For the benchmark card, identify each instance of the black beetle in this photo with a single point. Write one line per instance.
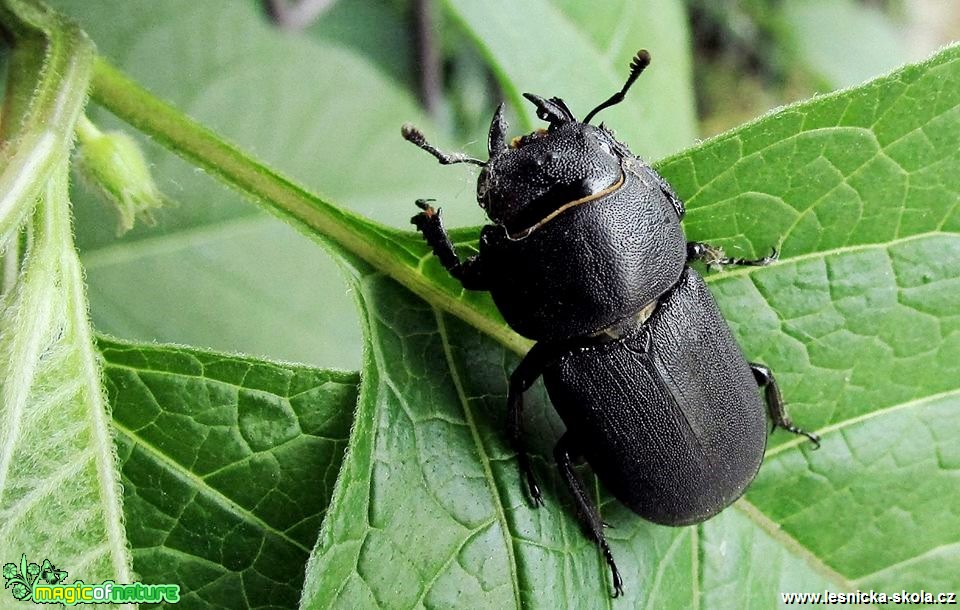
(586, 256)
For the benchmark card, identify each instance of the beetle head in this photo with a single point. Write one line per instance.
(537, 176)
(526, 182)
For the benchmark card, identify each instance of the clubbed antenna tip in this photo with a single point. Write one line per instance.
(638, 64)
(415, 136)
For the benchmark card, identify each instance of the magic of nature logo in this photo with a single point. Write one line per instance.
(44, 583)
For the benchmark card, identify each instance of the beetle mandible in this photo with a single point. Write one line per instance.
(586, 256)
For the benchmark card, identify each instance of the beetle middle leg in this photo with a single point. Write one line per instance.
(529, 369)
(778, 411)
(563, 453)
(714, 256)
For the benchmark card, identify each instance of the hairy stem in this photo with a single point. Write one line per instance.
(385, 249)
(49, 74)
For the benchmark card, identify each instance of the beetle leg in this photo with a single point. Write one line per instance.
(713, 256)
(529, 369)
(778, 412)
(429, 224)
(585, 509)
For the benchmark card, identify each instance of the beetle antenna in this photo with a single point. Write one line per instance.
(640, 61)
(416, 137)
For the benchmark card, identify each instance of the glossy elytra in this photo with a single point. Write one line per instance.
(586, 256)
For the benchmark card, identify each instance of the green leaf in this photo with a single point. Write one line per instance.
(57, 461)
(59, 485)
(228, 466)
(861, 191)
(429, 467)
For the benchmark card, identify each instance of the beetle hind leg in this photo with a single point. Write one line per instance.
(586, 510)
(778, 411)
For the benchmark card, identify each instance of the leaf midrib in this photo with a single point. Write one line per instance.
(937, 549)
(484, 458)
(98, 412)
(791, 544)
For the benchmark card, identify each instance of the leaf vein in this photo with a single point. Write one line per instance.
(482, 454)
(200, 485)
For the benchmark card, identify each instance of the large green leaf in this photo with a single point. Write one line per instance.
(445, 521)
(860, 190)
(228, 465)
(59, 489)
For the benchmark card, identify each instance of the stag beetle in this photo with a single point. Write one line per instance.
(586, 256)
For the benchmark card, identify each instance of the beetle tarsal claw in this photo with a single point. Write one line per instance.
(427, 217)
(789, 427)
(424, 204)
(617, 583)
(429, 211)
(814, 438)
(535, 494)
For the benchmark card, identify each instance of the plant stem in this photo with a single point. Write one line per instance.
(47, 89)
(387, 250)
(86, 131)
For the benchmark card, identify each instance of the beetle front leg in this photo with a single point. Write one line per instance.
(468, 271)
(713, 256)
(778, 411)
(563, 454)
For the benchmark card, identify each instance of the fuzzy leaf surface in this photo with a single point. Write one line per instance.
(60, 496)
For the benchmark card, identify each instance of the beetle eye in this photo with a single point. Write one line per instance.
(605, 147)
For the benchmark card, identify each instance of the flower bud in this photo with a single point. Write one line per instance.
(114, 166)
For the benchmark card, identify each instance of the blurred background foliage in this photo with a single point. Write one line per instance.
(322, 98)
(749, 55)
(753, 55)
